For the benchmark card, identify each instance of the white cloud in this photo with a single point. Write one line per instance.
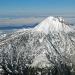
(29, 20)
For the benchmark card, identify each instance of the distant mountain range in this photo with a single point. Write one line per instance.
(9, 27)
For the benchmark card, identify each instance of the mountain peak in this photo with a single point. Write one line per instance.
(51, 24)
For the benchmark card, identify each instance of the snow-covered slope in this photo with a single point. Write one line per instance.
(46, 45)
(51, 24)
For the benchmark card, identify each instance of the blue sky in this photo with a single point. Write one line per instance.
(36, 7)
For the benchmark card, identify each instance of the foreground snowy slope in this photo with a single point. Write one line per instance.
(49, 44)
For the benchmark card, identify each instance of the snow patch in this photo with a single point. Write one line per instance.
(40, 61)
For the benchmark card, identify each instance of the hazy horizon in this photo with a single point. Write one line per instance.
(22, 12)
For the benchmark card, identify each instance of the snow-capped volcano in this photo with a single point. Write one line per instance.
(51, 24)
(49, 44)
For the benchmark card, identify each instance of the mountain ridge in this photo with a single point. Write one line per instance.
(34, 48)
